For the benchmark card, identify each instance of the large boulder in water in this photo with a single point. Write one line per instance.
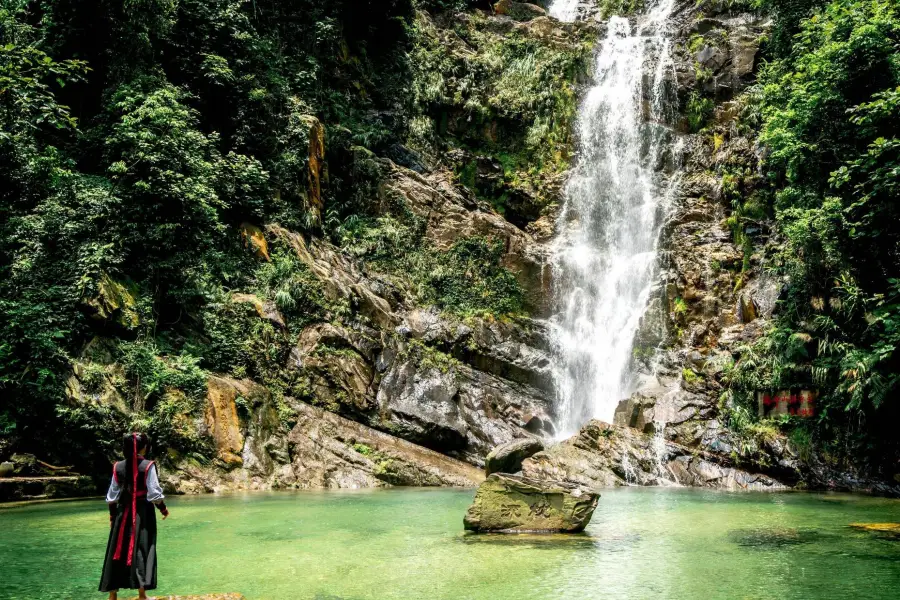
(515, 504)
(507, 458)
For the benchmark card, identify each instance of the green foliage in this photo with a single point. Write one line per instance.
(362, 449)
(174, 185)
(444, 5)
(509, 95)
(689, 375)
(296, 292)
(466, 279)
(751, 436)
(788, 16)
(621, 8)
(154, 375)
(429, 357)
(831, 115)
(27, 75)
(172, 424)
(193, 118)
(699, 109)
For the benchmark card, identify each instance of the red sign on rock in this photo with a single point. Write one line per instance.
(787, 402)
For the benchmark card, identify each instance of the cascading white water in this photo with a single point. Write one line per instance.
(604, 258)
(564, 10)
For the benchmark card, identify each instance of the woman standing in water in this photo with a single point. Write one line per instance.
(131, 551)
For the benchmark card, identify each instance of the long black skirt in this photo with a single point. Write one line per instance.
(141, 573)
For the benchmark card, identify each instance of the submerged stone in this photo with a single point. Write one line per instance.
(889, 529)
(513, 503)
(776, 537)
(508, 457)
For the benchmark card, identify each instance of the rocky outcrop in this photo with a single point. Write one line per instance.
(516, 504)
(315, 161)
(508, 458)
(266, 309)
(95, 376)
(221, 417)
(114, 303)
(16, 489)
(457, 409)
(522, 11)
(718, 48)
(451, 215)
(456, 386)
(408, 383)
(255, 240)
(320, 450)
(604, 455)
(461, 387)
(332, 452)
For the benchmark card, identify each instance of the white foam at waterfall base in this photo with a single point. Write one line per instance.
(604, 258)
(628, 469)
(661, 455)
(565, 10)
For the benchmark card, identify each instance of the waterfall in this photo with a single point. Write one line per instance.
(565, 10)
(660, 452)
(605, 254)
(628, 469)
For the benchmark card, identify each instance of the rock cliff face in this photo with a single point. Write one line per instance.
(402, 390)
(604, 455)
(321, 450)
(396, 373)
(398, 392)
(458, 386)
(713, 297)
(381, 388)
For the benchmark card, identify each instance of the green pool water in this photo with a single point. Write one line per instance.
(409, 543)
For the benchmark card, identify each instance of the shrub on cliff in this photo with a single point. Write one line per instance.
(139, 160)
(831, 124)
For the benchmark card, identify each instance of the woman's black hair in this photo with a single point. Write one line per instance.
(131, 443)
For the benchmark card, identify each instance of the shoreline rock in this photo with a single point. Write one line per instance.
(19, 489)
(604, 455)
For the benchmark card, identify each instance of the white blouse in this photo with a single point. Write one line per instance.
(154, 491)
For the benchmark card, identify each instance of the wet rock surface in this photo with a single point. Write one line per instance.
(459, 387)
(331, 452)
(508, 458)
(513, 503)
(321, 450)
(604, 455)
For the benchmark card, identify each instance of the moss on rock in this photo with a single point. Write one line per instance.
(512, 503)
